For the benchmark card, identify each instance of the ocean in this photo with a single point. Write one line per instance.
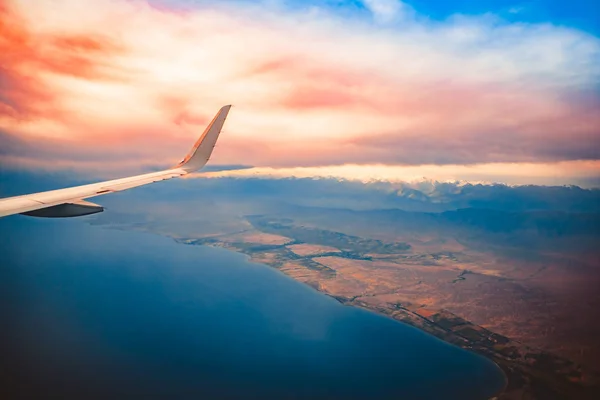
(94, 312)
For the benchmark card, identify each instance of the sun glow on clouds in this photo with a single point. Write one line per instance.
(563, 173)
(84, 82)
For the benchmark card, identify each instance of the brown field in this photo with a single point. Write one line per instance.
(252, 236)
(306, 249)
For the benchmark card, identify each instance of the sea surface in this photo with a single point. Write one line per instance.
(92, 312)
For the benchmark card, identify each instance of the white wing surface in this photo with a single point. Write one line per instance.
(70, 202)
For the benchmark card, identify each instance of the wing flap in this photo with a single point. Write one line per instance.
(65, 210)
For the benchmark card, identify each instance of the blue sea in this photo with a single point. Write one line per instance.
(93, 312)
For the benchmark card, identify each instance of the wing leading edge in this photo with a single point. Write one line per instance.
(69, 202)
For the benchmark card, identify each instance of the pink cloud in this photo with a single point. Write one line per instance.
(307, 90)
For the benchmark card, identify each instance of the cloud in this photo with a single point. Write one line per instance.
(384, 10)
(25, 54)
(516, 9)
(308, 88)
(583, 173)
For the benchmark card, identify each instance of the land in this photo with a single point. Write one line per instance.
(439, 285)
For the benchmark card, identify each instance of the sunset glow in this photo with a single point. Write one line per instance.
(125, 85)
(580, 173)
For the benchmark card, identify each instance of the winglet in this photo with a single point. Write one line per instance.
(200, 153)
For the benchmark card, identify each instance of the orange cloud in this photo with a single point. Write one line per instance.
(25, 56)
(122, 78)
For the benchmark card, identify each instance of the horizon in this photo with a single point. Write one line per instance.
(494, 92)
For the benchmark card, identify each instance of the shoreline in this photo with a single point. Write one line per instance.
(522, 371)
(349, 303)
(527, 372)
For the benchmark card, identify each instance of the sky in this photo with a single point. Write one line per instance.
(452, 90)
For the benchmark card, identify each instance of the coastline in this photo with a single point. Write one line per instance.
(355, 271)
(351, 303)
(526, 371)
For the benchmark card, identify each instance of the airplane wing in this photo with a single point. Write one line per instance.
(70, 202)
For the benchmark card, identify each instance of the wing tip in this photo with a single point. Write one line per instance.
(202, 149)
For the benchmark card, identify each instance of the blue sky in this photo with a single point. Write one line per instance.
(580, 14)
(583, 15)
